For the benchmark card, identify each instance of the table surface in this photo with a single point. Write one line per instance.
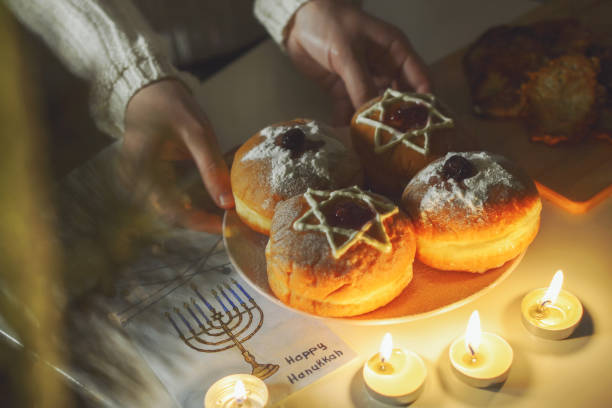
(571, 372)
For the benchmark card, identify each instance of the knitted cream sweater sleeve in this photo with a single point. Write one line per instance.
(275, 15)
(107, 42)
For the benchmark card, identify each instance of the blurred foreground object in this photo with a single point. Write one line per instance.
(28, 255)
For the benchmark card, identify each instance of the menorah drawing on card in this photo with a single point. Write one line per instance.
(218, 331)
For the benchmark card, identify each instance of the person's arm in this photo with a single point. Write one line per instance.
(107, 42)
(135, 95)
(349, 53)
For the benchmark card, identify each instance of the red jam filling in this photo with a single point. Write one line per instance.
(458, 168)
(406, 116)
(346, 213)
(296, 142)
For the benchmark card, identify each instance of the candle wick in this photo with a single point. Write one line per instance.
(542, 305)
(382, 364)
(240, 401)
(472, 352)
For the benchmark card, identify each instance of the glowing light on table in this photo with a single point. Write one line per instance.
(237, 391)
(551, 313)
(480, 359)
(240, 394)
(394, 375)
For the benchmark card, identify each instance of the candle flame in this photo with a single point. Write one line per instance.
(554, 288)
(386, 346)
(473, 333)
(240, 393)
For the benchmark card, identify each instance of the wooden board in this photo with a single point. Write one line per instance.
(575, 177)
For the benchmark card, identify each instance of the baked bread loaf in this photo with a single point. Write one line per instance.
(555, 75)
(563, 99)
(283, 160)
(498, 64)
(339, 253)
(397, 134)
(472, 211)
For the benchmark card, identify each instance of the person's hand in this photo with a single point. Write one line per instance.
(352, 55)
(164, 125)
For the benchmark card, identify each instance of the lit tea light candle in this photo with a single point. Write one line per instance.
(240, 394)
(480, 359)
(551, 313)
(394, 375)
(237, 391)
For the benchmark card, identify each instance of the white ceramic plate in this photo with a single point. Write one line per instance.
(431, 291)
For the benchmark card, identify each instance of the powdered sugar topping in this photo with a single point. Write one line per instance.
(290, 176)
(470, 193)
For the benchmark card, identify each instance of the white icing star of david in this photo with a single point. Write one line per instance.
(435, 120)
(381, 208)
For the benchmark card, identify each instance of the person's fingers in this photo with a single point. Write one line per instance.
(351, 67)
(173, 149)
(136, 165)
(137, 148)
(200, 221)
(412, 69)
(201, 142)
(176, 209)
(342, 112)
(342, 107)
(165, 129)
